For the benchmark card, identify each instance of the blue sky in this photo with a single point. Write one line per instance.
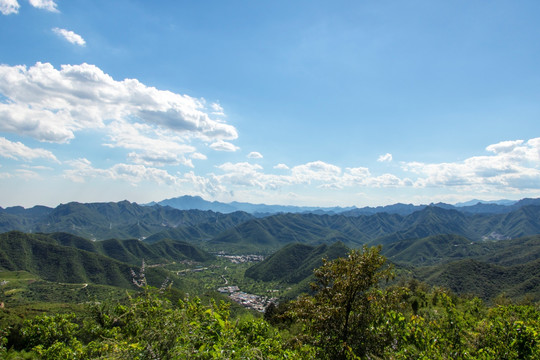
(278, 102)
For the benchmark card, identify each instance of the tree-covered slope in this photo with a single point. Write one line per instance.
(439, 249)
(133, 251)
(62, 257)
(19, 251)
(485, 280)
(122, 220)
(273, 232)
(294, 262)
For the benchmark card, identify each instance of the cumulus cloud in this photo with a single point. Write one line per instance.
(512, 168)
(281, 166)
(221, 145)
(252, 175)
(9, 7)
(504, 146)
(209, 185)
(48, 5)
(315, 171)
(19, 151)
(198, 156)
(70, 36)
(52, 105)
(255, 155)
(385, 158)
(82, 169)
(159, 159)
(514, 165)
(245, 174)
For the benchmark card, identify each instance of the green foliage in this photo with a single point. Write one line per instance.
(47, 330)
(341, 317)
(151, 327)
(466, 330)
(485, 280)
(349, 317)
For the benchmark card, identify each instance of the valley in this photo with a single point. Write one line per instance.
(256, 266)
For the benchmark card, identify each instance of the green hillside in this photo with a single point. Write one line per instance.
(485, 280)
(439, 249)
(132, 251)
(273, 232)
(58, 263)
(120, 220)
(295, 262)
(65, 258)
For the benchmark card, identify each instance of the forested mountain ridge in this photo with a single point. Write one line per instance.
(242, 232)
(122, 220)
(187, 202)
(62, 257)
(485, 269)
(276, 231)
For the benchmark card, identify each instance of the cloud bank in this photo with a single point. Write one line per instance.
(52, 105)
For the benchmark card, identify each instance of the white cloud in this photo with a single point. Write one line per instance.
(504, 146)
(198, 156)
(385, 158)
(514, 166)
(217, 109)
(205, 185)
(281, 167)
(53, 105)
(48, 5)
(82, 169)
(70, 36)
(221, 145)
(316, 171)
(155, 147)
(159, 159)
(242, 174)
(19, 151)
(255, 155)
(243, 167)
(9, 7)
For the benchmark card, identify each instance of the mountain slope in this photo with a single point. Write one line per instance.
(133, 251)
(83, 261)
(122, 220)
(485, 280)
(58, 263)
(440, 249)
(295, 262)
(275, 231)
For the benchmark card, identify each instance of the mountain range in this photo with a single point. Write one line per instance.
(188, 202)
(443, 244)
(484, 269)
(242, 232)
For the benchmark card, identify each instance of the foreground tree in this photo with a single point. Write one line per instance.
(343, 318)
